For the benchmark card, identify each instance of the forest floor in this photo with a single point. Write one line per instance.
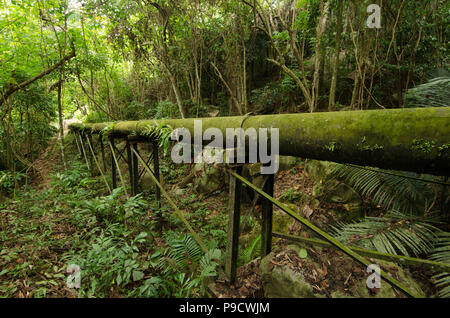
(127, 248)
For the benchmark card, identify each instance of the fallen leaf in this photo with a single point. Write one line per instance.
(307, 211)
(303, 253)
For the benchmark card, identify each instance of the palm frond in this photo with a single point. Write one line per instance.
(395, 233)
(442, 254)
(186, 248)
(180, 251)
(392, 192)
(435, 93)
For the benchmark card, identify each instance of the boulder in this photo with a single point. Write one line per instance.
(386, 290)
(287, 162)
(360, 290)
(283, 282)
(210, 178)
(281, 221)
(319, 171)
(334, 191)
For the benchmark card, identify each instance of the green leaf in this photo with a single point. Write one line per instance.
(303, 253)
(137, 275)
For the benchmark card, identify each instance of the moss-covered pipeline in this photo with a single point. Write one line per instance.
(413, 139)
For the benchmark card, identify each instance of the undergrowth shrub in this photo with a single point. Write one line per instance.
(108, 260)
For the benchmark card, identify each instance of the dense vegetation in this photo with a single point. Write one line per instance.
(98, 61)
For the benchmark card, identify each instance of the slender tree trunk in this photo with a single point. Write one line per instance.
(177, 93)
(355, 91)
(335, 66)
(319, 31)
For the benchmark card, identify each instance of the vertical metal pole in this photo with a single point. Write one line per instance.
(102, 150)
(113, 164)
(234, 217)
(156, 170)
(135, 168)
(267, 216)
(130, 165)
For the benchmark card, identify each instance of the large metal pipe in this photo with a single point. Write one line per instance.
(409, 139)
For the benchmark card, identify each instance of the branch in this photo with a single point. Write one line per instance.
(90, 97)
(24, 84)
(227, 87)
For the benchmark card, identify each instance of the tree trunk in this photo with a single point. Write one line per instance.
(319, 31)
(337, 49)
(176, 91)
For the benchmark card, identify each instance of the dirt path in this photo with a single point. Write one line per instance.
(49, 158)
(44, 165)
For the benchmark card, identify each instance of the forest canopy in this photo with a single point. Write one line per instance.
(112, 60)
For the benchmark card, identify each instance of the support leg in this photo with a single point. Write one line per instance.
(234, 217)
(135, 169)
(156, 169)
(130, 164)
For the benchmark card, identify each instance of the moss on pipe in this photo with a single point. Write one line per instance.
(413, 139)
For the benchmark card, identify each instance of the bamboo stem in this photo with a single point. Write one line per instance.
(368, 253)
(98, 166)
(118, 168)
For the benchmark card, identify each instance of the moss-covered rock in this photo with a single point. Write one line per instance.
(286, 162)
(319, 171)
(281, 221)
(283, 282)
(210, 178)
(254, 169)
(360, 290)
(386, 290)
(334, 191)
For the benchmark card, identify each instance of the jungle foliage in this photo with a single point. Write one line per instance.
(105, 61)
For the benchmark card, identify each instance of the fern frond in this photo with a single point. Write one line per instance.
(245, 255)
(392, 192)
(442, 254)
(180, 251)
(395, 233)
(435, 93)
(186, 248)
